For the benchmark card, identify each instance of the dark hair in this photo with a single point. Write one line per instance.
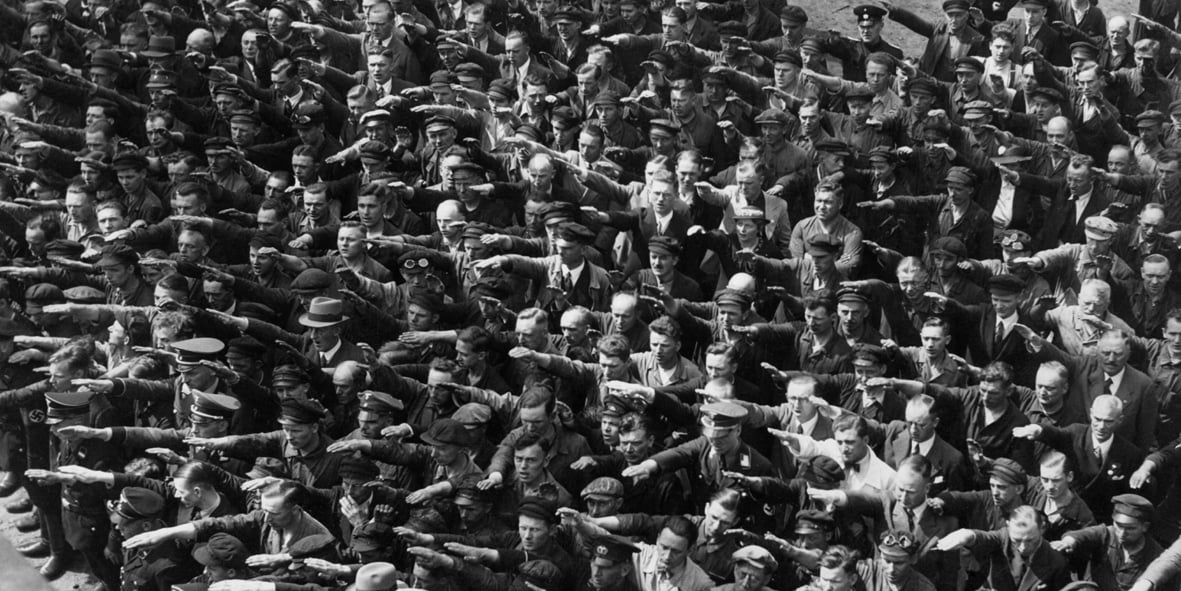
(666, 326)
(478, 337)
(681, 527)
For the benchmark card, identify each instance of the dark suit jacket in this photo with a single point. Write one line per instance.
(938, 60)
(1062, 225)
(1046, 569)
(888, 514)
(1095, 483)
(681, 287)
(948, 469)
(1138, 392)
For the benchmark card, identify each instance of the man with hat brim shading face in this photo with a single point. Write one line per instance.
(1017, 552)
(1132, 518)
(200, 370)
(139, 510)
(664, 253)
(958, 214)
(564, 279)
(719, 449)
(299, 442)
(323, 344)
(224, 558)
(131, 171)
(940, 53)
(83, 515)
(273, 529)
(444, 456)
(804, 276)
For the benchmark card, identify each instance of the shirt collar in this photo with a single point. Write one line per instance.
(331, 352)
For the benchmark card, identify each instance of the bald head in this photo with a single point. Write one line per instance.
(1058, 125)
(744, 282)
(200, 40)
(449, 210)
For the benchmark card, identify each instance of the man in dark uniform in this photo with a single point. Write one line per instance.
(718, 449)
(610, 565)
(1116, 554)
(148, 569)
(83, 510)
(852, 52)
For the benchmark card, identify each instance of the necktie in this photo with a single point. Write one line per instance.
(1098, 452)
(1109, 386)
(998, 337)
(1017, 567)
(909, 519)
(914, 450)
(567, 282)
(323, 359)
(195, 514)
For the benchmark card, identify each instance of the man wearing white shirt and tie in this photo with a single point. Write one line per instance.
(864, 471)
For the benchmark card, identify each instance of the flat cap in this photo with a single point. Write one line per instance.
(722, 415)
(538, 508)
(568, 14)
(301, 412)
(977, 110)
(372, 536)
(118, 254)
(310, 546)
(139, 503)
(813, 521)
(84, 294)
(664, 245)
(441, 80)
(852, 295)
(264, 466)
(245, 346)
(66, 249)
(473, 414)
(1017, 240)
(922, 86)
(949, 245)
(359, 469)
(969, 64)
(374, 150)
(757, 556)
(613, 548)
(603, 486)
(308, 115)
(542, 573)
(956, 5)
(1099, 227)
(789, 57)
(311, 281)
(822, 470)
(733, 297)
(859, 93)
(961, 175)
(834, 147)
(773, 116)
(823, 244)
(867, 354)
(1151, 117)
(129, 160)
(1007, 470)
(1084, 49)
(1005, 284)
(897, 545)
(222, 550)
(606, 98)
(289, 373)
(469, 71)
(558, 210)
(447, 432)
(1045, 92)
(468, 491)
(575, 233)
(664, 126)
(245, 116)
(1134, 506)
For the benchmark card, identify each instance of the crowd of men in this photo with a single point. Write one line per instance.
(598, 296)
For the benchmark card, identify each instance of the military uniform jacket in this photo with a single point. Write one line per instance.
(705, 467)
(1105, 557)
(157, 568)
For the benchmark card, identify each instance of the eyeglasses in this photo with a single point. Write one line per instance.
(411, 264)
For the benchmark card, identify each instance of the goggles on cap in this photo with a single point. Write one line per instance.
(301, 120)
(412, 264)
(1013, 242)
(903, 541)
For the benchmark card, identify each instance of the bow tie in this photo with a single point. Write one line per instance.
(852, 468)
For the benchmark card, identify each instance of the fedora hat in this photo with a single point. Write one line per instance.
(323, 312)
(160, 46)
